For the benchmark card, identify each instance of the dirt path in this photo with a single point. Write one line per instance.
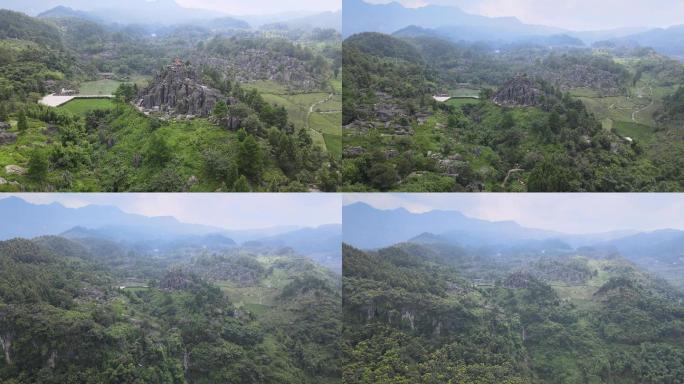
(635, 113)
(509, 174)
(311, 108)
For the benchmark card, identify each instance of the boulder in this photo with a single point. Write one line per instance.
(14, 170)
(4, 126)
(3, 181)
(390, 153)
(192, 180)
(353, 152)
(7, 137)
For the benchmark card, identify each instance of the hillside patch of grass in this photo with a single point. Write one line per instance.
(639, 132)
(98, 87)
(82, 106)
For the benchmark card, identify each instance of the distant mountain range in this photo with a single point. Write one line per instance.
(366, 227)
(452, 23)
(61, 11)
(298, 20)
(165, 12)
(121, 12)
(669, 41)
(359, 16)
(30, 220)
(110, 223)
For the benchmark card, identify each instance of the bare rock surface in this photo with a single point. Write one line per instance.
(177, 90)
(7, 137)
(14, 170)
(520, 91)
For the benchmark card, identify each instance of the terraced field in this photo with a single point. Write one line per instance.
(318, 112)
(630, 115)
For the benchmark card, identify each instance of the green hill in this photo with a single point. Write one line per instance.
(91, 312)
(412, 317)
(547, 120)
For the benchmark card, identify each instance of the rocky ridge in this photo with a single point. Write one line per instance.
(177, 90)
(258, 64)
(583, 76)
(520, 91)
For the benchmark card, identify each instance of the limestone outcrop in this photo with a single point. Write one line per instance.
(520, 91)
(177, 90)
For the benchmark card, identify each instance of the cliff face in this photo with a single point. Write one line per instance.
(520, 91)
(177, 91)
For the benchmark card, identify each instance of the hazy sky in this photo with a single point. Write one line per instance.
(261, 7)
(229, 211)
(569, 213)
(231, 7)
(573, 14)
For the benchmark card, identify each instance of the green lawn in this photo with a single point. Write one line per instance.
(464, 92)
(337, 85)
(99, 87)
(639, 132)
(584, 92)
(264, 86)
(136, 289)
(461, 101)
(82, 106)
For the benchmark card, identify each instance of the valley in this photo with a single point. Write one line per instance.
(497, 302)
(155, 300)
(281, 85)
(434, 109)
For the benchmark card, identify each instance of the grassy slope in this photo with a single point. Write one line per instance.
(98, 87)
(82, 106)
(325, 128)
(187, 140)
(617, 112)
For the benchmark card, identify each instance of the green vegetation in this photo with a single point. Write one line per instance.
(98, 87)
(423, 314)
(64, 317)
(317, 112)
(565, 126)
(81, 107)
(107, 145)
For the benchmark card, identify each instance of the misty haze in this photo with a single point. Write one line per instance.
(98, 295)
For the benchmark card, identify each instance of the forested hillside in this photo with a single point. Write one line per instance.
(435, 314)
(276, 129)
(93, 311)
(426, 114)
